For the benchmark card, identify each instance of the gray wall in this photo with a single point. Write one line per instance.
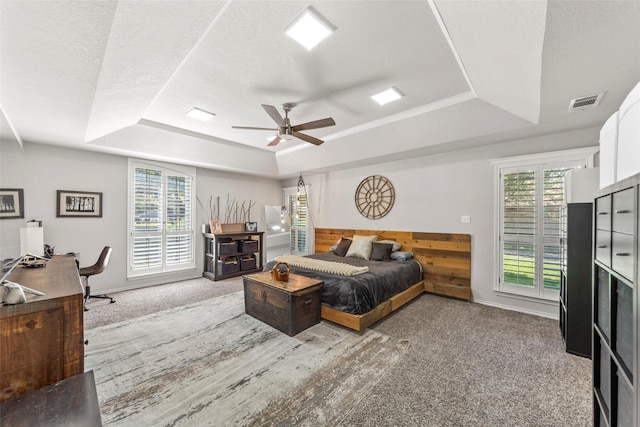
(432, 193)
(42, 169)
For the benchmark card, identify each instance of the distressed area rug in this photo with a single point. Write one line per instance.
(211, 364)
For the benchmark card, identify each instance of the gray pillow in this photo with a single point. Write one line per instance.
(401, 256)
(381, 251)
(343, 247)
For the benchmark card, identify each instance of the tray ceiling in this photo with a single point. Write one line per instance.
(119, 76)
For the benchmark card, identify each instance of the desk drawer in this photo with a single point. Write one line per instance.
(623, 211)
(622, 254)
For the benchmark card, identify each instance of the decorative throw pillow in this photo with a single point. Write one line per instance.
(396, 245)
(401, 256)
(343, 247)
(381, 251)
(361, 246)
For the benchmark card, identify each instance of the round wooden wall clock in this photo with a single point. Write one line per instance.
(375, 196)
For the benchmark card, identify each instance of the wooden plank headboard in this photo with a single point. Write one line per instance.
(445, 257)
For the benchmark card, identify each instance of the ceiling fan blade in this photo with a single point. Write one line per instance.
(252, 128)
(308, 138)
(322, 123)
(275, 115)
(274, 141)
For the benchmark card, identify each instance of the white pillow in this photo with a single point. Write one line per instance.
(361, 246)
(396, 245)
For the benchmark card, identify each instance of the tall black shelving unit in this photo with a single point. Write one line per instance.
(615, 305)
(575, 277)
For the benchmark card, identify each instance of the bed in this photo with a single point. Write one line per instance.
(441, 265)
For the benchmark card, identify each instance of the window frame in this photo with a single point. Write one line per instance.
(289, 193)
(579, 158)
(166, 169)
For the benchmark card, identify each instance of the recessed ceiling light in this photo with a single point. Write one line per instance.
(309, 29)
(196, 113)
(387, 96)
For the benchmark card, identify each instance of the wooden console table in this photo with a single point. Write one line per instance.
(42, 340)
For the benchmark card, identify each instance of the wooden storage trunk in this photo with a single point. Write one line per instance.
(247, 246)
(290, 307)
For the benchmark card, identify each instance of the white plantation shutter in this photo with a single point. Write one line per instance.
(519, 227)
(161, 208)
(530, 200)
(179, 223)
(147, 241)
(147, 252)
(553, 199)
(299, 223)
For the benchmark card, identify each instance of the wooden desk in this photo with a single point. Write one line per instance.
(70, 402)
(42, 340)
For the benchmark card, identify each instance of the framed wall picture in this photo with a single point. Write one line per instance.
(11, 203)
(250, 226)
(79, 204)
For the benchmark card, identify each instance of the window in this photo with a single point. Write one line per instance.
(161, 237)
(301, 239)
(529, 201)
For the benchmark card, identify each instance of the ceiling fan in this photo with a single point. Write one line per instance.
(285, 130)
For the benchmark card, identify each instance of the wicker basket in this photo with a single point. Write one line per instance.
(228, 247)
(228, 266)
(247, 263)
(247, 246)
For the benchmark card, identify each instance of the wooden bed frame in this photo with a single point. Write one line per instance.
(445, 260)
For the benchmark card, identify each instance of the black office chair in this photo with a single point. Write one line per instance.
(96, 268)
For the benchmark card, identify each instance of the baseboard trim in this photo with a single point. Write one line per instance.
(518, 309)
(147, 284)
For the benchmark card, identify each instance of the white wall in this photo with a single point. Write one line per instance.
(432, 193)
(42, 169)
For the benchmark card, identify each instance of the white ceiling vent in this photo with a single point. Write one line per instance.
(585, 102)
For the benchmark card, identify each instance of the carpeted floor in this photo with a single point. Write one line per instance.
(466, 364)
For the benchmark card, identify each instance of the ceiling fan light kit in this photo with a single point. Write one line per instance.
(285, 130)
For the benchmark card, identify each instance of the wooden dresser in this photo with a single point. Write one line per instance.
(42, 340)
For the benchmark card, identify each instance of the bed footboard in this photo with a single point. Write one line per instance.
(358, 322)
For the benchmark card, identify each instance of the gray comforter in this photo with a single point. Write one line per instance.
(360, 294)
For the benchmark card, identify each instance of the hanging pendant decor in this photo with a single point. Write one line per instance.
(375, 196)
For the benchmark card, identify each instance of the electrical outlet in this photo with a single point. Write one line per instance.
(465, 219)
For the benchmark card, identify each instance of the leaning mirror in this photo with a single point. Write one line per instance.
(277, 236)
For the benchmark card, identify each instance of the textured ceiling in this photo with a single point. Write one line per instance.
(119, 76)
